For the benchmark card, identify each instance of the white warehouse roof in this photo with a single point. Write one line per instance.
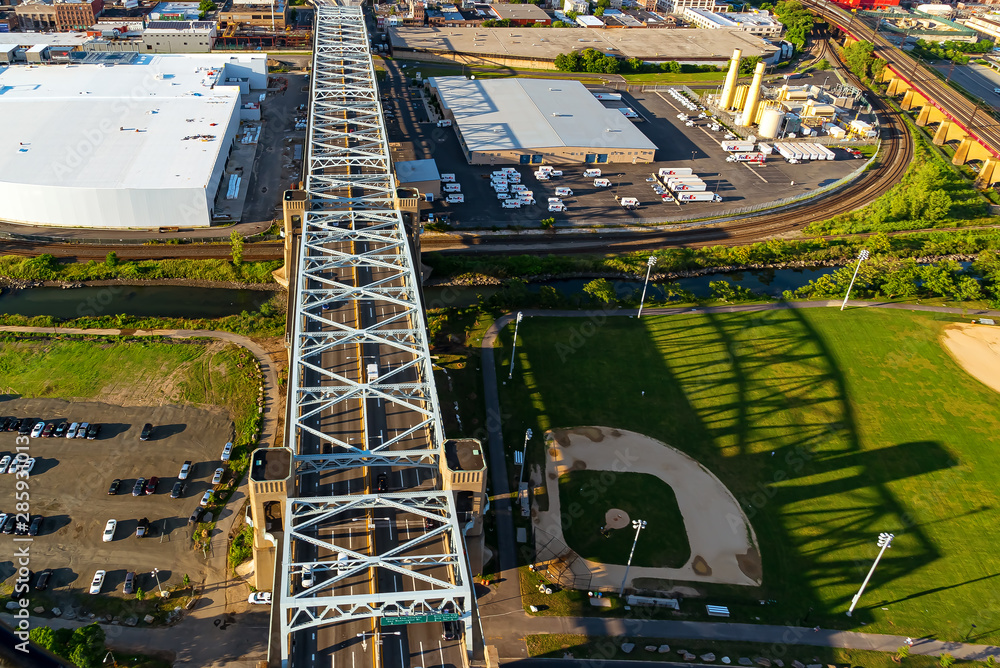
(505, 114)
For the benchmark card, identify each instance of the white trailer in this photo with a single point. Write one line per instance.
(766, 149)
(830, 155)
(674, 171)
(784, 151)
(698, 197)
(688, 187)
(734, 146)
(683, 179)
(591, 173)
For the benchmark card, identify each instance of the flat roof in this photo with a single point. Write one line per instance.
(118, 138)
(525, 12)
(505, 114)
(52, 39)
(270, 464)
(683, 44)
(465, 454)
(414, 171)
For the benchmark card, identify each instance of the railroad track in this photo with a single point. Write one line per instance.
(84, 252)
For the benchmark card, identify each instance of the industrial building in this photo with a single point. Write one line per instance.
(179, 37)
(537, 121)
(421, 175)
(147, 143)
(755, 23)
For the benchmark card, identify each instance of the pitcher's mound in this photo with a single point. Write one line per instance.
(976, 348)
(616, 519)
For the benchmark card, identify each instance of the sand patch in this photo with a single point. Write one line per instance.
(616, 519)
(976, 348)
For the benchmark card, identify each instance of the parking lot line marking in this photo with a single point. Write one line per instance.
(753, 172)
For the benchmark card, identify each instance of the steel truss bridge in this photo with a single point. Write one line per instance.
(369, 535)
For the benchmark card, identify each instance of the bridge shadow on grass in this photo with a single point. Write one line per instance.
(761, 401)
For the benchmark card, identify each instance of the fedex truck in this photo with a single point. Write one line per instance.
(698, 197)
(737, 146)
(674, 171)
(688, 187)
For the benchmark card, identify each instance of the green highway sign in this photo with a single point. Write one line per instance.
(420, 619)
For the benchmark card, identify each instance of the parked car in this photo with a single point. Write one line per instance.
(23, 466)
(36, 431)
(217, 478)
(36, 525)
(71, 432)
(142, 529)
(5, 425)
(60, 430)
(9, 524)
(185, 470)
(48, 429)
(115, 485)
(109, 531)
(42, 583)
(382, 482)
(129, 587)
(205, 499)
(227, 451)
(195, 516)
(15, 425)
(147, 431)
(151, 485)
(97, 582)
(178, 490)
(260, 598)
(26, 426)
(81, 431)
(93, 431)
(139, 488)
(5, 463)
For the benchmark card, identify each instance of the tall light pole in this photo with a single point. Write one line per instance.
(517, 322)
(155, 574)
(650, 263)
(884, 542)
(638, 525)
(524, 454)
(862, 256)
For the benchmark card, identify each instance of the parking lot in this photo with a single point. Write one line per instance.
(69, 487)
(678, 146)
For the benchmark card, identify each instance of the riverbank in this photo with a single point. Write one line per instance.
(16, 284)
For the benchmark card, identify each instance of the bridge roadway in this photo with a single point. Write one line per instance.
(367, 522)
(977, 120)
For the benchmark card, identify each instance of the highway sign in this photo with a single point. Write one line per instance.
(420, 619)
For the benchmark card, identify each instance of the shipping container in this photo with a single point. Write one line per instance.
(737, 146)
(602, 183)
(675, 171)
(688, 187)
(698, 197)
(590, 173)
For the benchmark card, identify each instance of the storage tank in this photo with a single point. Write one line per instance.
(770, 123)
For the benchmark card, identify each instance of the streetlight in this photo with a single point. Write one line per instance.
(650, 263)
(638, 525)
(524, 454)
(155, 575)
(520, 316)
(884, 542)
(114, 662)
(862, 256)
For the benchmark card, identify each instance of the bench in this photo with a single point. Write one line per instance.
(717, 610)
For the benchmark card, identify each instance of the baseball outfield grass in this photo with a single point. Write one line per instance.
(829, 427)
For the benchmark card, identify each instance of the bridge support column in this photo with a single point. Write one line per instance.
(989, 174)
(930, 114)
(948, 131)
(293, 206)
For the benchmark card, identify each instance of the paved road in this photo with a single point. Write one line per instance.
(503, 618)
(977, 79)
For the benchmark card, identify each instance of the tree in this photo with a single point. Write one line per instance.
(111, 259)
(901, 653)
(748, 64)
(44, 637)
(968, 289)
(946, 660)
(236, 242)
(878, 243)
(599, 11)
(602, 290)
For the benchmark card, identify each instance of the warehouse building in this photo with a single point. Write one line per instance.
(146, 148)
(537, 121)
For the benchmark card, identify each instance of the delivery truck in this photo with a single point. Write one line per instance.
(591, 173)
(452, 188)
(747, 157)
(737, 146)
(602, 183)
(698, 197)
(688, 187)
(455, 199)
(629, 202)
(674, 171)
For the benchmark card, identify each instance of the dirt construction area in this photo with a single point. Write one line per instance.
(69, 488)
(976, 348)
(723, 544)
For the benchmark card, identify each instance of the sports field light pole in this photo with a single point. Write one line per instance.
(524, 454)
(884, 542)
(155, 573)
(639, 525)
(862, 256)
(650, 263)
(520, 316)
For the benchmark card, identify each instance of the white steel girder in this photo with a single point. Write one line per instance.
(351, 229)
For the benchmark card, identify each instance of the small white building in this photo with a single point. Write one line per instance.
(755, 23)
(578, 6)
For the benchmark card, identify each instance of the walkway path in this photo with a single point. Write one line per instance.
(503, 618)
(209, 635)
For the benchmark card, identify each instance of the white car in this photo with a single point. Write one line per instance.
(227, 451)
(4, 463)
(71, 432)
(36, 431)
(342, 559)
(81, 431)
(185, 470)
(22, 466)
(205, 499)
(307, 577)
(109, 532)
(217, 478)
(260, 598)
(98, 582)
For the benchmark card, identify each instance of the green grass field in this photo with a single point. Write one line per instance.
(632, 493)
(828, 426)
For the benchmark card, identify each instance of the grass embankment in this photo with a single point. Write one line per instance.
(829, 427)
(47, 268)
(630, 492)
(555, 646)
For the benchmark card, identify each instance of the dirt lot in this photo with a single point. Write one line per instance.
(69, 488)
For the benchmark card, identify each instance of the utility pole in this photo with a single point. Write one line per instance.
(862, 256)
(513, 349)
(884, 542)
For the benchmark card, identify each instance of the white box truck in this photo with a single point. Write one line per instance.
(511, 204)
(443, 123)
(698, 197)
(452, 188)
(447, 178)
(564, 192)
(674, 171)
(602, 183)
(733, 146)
(747, 157)
(591, 173)
(455, 199)
(556, 208)
(629, 202)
